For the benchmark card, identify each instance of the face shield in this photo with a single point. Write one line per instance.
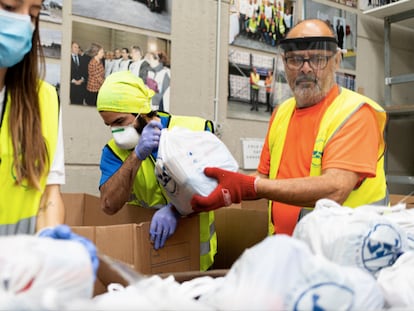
(320, 49)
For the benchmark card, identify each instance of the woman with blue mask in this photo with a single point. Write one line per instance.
(31, 141)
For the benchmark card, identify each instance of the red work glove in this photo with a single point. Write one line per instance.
(232, 188)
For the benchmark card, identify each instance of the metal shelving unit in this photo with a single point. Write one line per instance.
(396, 12)
(401, 12)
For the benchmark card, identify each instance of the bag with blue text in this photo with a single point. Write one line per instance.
(182, 156)
(358, 237)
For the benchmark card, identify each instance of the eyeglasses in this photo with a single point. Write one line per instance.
(315, 61)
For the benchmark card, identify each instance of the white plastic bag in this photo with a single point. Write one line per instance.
(398, 214)
(397, 282)
(182, 156)
(152, 293)
(43, 273)
(281, 273)
(357, 237)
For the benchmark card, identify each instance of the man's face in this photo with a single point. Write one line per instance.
(75, 48)
(124, 54)
(111, 118)
(117, 53)
(109, 55)
(311, 58)
(310, 74)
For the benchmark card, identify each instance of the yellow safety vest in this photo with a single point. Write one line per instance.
(281, 26)
(252, 24)
(19, 204)
(372, 190)
(148, 193)
(255, 79)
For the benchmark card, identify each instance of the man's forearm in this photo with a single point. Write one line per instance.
(335, 184)
(116, 191)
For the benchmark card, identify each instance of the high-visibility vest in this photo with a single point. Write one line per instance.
(254, 79)
(372, 190)
(149, 194)
(19, 204)
(252, 24)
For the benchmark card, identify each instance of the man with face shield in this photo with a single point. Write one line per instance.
(324, 142)
(128, 160)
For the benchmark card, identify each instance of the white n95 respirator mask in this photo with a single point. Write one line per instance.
(126, 137)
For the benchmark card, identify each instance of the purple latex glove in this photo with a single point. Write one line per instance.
(63, 232)
(163, 225)
(149, 139)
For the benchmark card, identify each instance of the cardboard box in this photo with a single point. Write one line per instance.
(115, 271)
(261, 204)
(407, 199)
(125, 236)
(83, 209)
(238, 229)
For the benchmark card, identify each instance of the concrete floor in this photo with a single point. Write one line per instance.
(241, 110)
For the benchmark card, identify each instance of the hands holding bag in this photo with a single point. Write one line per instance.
(232, 188)
(149, 139)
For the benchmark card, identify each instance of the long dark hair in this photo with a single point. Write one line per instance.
(29, 146)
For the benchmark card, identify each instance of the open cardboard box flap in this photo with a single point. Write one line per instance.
(115, 271)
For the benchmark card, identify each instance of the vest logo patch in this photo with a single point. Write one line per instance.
(316, 158)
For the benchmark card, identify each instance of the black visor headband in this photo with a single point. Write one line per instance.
(309, 43)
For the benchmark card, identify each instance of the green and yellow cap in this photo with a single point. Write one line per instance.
(124, 92)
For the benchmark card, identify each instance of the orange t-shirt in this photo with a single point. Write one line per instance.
(354, 147)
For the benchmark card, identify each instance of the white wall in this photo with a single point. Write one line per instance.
(193, 85)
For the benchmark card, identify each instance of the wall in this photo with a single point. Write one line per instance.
(194, 34)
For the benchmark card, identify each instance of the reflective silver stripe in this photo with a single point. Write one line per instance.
(205, 246)
(24, 226)
(383, 202)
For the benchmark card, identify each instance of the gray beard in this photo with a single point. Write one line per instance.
(308, 95)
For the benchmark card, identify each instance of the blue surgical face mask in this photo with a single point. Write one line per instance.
(16, 32)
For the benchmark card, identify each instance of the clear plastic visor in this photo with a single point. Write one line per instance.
(308, 43)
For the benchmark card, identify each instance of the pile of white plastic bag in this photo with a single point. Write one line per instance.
(338, 259)
(377, 239)
(280, 273)
(358, 237)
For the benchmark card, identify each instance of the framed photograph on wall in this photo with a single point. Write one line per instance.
(344, 26)
(97, 52)
(255, 100)
(51, 11)
(350, 3)
(256, 25)
(51, 41)
(153, 15)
